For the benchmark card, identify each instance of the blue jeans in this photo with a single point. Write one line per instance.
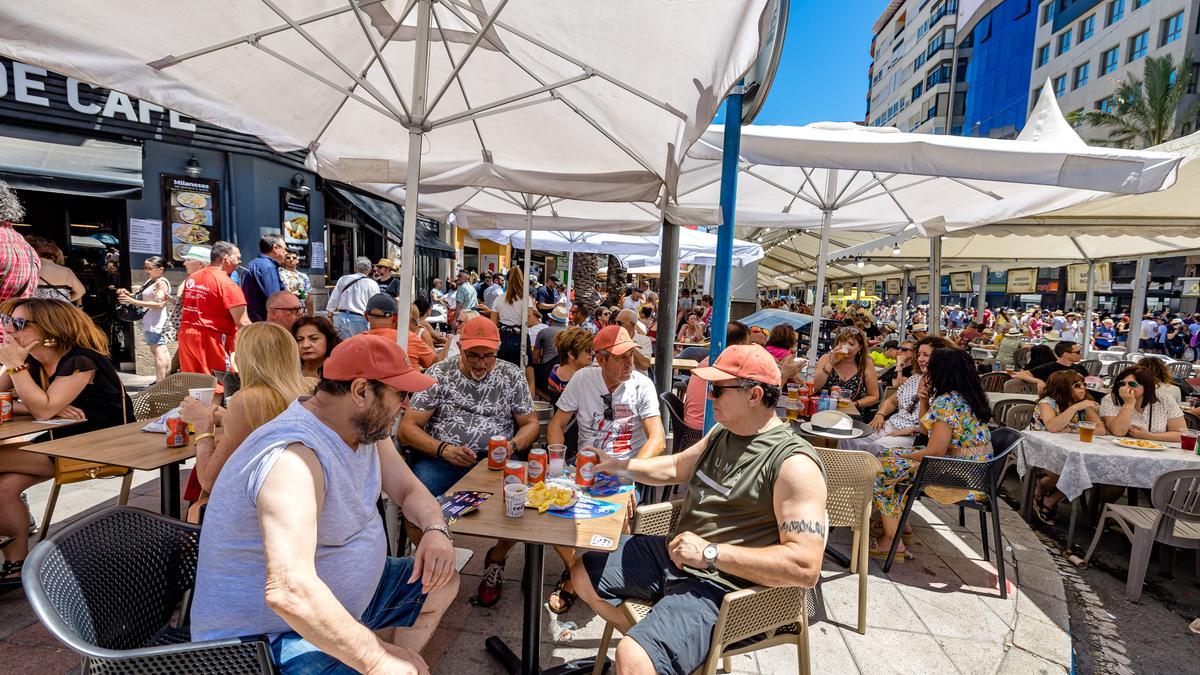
(348, 325)
(396, 604)
(437, 475)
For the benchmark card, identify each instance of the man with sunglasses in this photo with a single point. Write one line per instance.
(1069, 355)
(262, 276)
(388, 283)
(283, 308)
(754, 514)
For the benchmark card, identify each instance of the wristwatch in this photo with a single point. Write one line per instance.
(440, 527)
(710, 557)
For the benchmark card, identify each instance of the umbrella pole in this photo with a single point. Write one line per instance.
(822, 261)
(570, 282)
(1087, 309)
(721, 271)
(525, 291)
(1137, 308)
(413, 186)
(901, 318)
(664, 349)
(935, 286)
(981, 301)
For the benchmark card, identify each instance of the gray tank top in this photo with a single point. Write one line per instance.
(351, 543)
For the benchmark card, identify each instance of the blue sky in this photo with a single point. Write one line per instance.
(823, 73)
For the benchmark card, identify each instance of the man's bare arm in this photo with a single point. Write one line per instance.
(661, 470)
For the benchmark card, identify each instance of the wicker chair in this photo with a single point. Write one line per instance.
(779, 613)
(1015, 386)
(994, 382)
(115, 608)
(162, 397)
(850, 481)
(683, 436)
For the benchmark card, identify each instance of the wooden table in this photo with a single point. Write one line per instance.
(126, 445)
(679, 364)
(535, 530)
(23, 425)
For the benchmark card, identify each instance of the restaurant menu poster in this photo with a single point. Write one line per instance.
(960, 282)
(145, 236)
(294, 205)
(1022, 281)
(191, 212)
(893, 287)
(922, 284)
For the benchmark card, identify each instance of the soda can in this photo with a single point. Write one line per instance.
(835, 392)
(6, 406)
(514, 473)
(497, 452)
(539, 463)
(176, 432)
(585, 475)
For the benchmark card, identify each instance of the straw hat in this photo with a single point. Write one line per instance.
(919, 328)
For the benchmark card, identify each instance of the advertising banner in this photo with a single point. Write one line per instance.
(294, 205)
(922, 284)
(190, 212)
(960, 282)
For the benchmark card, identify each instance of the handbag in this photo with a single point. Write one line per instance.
(133, 313)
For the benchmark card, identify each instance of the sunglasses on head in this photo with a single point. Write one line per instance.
(757, 329)
(15, 322)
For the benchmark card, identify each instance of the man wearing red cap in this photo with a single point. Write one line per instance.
(754, 515)
(475, 396)
(293, 546)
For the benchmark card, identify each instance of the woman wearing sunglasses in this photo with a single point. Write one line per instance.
(295, 281)
(1066, 402)
(1135, 410)
(848, 367)
(693, 330)
(898, 420)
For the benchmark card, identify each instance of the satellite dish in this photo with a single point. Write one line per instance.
(762, 73)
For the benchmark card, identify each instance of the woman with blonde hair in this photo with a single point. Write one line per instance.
(849, 367)
(268, 365)
(508, 311)
(55, 360)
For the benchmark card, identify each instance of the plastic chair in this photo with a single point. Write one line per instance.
(108, 585)
(781, 614)
(1016, 414)
(683, 435)
(1021, 358)
(1015, 386)
(1174, 520)
(1192, 421)
(1180, 370)
(850, 482)
(994, 382)
(1117, 366)
(1092, 366)
(163, 396)
(966, 474)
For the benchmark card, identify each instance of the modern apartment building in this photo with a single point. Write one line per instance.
(1085, 48)
(999, 35)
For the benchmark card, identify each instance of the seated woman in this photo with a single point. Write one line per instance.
(1134, 409)
(693, 329)
(848, 367)
(782, 341)
(315, 337)
(575, 352)
(955, 413)
(898, 422)
(268, 365)
(56, 363)
(1164, 383)
(896, 374)
(1066, 403)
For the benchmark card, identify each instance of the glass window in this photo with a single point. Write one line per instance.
(1064, 43)
(1060, 86)
(1105, 105)
(1138, 4)
(1043, 55)
(918, 90)
(1109, 60)
(1047, 12)
(1081, 75)
(1087, 27)
(1172, 29)
(1138, 45)
(1114, 12)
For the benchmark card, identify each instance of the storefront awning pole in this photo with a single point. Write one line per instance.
(1087, 309)
(1141, 281)
(982, 299)
(668, 301)
(408, 272)
(570, 282)
(526, 291)
(901, 315)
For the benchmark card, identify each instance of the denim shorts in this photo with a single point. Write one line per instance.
(153, 339)
(348, 325)
(397, 603)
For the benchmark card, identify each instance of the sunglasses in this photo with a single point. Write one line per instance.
(904, 349)
(609, 413)
(15, 323)
(717, 391)
(754, 329)
(1078, 385)
(1131, 383)
(288, 310)
(480, 358)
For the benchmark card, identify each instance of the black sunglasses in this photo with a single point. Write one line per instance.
(608, 407)
(15, 323)
(717, 392)
(1131, 383)
(904, 349)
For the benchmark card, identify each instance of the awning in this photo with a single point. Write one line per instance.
(31, 159)
(390, 217)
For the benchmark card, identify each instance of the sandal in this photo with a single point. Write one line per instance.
(7, 581)
(1044, 513)
(566, 599)
(878, 554)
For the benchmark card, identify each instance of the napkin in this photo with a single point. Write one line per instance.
(159, 426)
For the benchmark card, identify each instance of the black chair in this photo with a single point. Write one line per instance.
(966, 474)
(684, 436)
(1192, 421)
(694, 353)
(108, 585)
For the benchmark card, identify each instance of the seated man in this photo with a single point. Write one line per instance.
(382, 321)
(886, 356)
(754, 515)
(1069, 355)
(476, 396)
(627, 319)
(293, 546)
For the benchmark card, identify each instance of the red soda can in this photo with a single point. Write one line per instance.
(514, 472)
(6, 406)
(585, 474)
(497, 452)
(176, 432)
(539, 462)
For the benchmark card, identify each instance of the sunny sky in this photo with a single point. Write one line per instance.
(823, 73)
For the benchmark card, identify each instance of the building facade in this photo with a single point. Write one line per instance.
(999, 36)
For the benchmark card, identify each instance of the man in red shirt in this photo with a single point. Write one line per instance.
(19, 263)
(213, 310)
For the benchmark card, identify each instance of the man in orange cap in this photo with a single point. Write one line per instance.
(294, 510)
(754, 515)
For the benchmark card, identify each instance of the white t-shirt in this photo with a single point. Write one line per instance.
(1152, 418)
(511, 314)
(632, 401)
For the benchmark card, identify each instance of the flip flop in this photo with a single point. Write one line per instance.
(901, 556)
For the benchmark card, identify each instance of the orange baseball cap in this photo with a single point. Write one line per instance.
(614, 340)
(479, 332)
(745, 362)
(371, 357)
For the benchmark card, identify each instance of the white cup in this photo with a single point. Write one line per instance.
(203, 394)
(515, 496)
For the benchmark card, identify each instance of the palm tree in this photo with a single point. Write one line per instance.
(585, 275)
(1146, 111)
(616, 279)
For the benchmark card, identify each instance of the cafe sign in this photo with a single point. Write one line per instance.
(960, 282)
(922, 283)
(1077, 278)
(1022, 281)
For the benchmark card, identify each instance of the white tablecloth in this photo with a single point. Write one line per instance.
(1082, 465)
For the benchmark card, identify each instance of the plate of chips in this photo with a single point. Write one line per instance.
(552, 496)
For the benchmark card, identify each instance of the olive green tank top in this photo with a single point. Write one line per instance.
(731, 497)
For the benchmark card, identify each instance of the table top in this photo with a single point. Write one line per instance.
(1082, 465)
(23, 425)
(680, 364)
(489, 519)
(125, 445)
(994, 396)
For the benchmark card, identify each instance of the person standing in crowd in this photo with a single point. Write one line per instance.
(283, 308)
(296, 282)
(435, 291)
(348, 301)
(548, 297)
(509, 311)
(19, 263)
(213, 310)
(545, 353)
(494, 291)
(382, 320)
(385, 271)
(633, 299)
(55, 282)
(465, 298)
(154, 296)
(315, 339)
(261, 277)
(56, 362)
(683, 309)
(598, 320)
(1106, 335)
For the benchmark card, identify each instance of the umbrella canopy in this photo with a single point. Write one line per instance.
(695, 247)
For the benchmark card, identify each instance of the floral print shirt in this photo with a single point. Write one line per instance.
(966, 431)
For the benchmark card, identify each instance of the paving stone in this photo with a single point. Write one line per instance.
(1044, 639)
(967, 618)
(1042, 580)
(1043, 607)
(917, 653)
(1020, 662)
(972, 655)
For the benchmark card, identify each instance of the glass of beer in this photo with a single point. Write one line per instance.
(1086, 431)
(791, 408)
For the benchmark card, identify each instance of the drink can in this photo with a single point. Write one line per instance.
(539, 463)
(176, 432)
(515, 473)
(497, 452)
(835, 392)
(585, 475)
(6, 406)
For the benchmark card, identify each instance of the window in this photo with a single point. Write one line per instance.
(1087, 27)
(1043, 55)
(1105, 105)
(1138, 4)
(960, 71)
(1109, 60)
(920, 61)
(935, 43)
(1138, 45)
(938, 74)
(1081, 75)
(1034, 96)
(1047, 12)
(918, 90)
(1115, 12)
(1191, 88)
(1064, 43)
(1060, 86)
(1171, 30)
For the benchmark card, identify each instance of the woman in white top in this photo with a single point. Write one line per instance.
(1135, 410)
(55, 282)
(899, 418)
(154, 296)
(508, 311)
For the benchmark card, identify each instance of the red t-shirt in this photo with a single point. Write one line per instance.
(417, 349)
(208, 295)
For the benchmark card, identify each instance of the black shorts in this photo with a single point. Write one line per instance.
(678, 631)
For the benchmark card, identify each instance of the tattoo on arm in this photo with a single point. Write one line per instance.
(803, 527)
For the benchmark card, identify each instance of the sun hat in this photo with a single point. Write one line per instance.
(919, 328)
(613, 339)
(386, 262)
(200, 253)
(742, 362)
(372, 357)
(833, 424)
(559, 314)
(478, 332)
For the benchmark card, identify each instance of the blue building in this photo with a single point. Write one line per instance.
(999, 37)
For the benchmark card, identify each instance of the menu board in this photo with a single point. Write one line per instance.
(893, 287)
(922, 283)
(1077, 278)
(295, 224)
(960, 282)
(191, 212)
(1022, 281)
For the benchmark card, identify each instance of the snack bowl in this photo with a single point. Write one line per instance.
(561, 496)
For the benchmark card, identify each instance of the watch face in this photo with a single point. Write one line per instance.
(710, 552)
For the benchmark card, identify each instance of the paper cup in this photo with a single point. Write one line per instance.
(515, 496)
(203, 394)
